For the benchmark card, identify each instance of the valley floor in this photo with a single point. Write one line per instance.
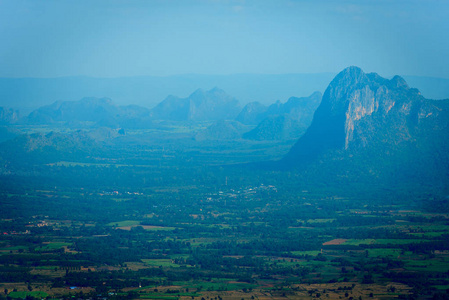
(251, 243)
(146, 217)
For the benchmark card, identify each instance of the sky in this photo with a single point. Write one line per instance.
(116, 38)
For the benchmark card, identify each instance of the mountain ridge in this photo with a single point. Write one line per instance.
(101, 111)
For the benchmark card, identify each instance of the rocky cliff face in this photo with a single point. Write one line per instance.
(362, 113)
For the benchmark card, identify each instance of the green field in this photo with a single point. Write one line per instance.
(123, 223)
(356, 242)
(312, 221)
(13, 248)
(158, 296)
(427, 265)
(384, 252)
(160, 263)
(158, 228)
(312, 252)
(220, 285)
(23, 295)
(52, 246)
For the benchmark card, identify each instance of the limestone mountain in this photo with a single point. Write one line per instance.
(252, 114)
(201, 105)
(301, 109)
(285, 120)
(278, 127)
(376, 126)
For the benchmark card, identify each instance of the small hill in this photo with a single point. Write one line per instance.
(221, 130)
(38, 148)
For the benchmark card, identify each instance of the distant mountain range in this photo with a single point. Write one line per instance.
(28, 94)
(98, 111)
(278, 121)
(367, 125)
(199, 106)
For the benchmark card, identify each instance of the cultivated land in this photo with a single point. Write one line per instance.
(152, 221)
(231, 244)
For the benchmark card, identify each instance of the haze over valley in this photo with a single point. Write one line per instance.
(224, 150)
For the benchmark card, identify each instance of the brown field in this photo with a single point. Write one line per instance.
(335, 242)
(67, 250)
(310, 291)
(146, 227)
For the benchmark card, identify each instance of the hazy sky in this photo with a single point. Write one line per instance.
(112, 38)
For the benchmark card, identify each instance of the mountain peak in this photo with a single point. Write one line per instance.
(352, 71)
(350, 75)
(201, 105)
(398, 82)
(216, 90)
(353, 105)
(198, 92)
